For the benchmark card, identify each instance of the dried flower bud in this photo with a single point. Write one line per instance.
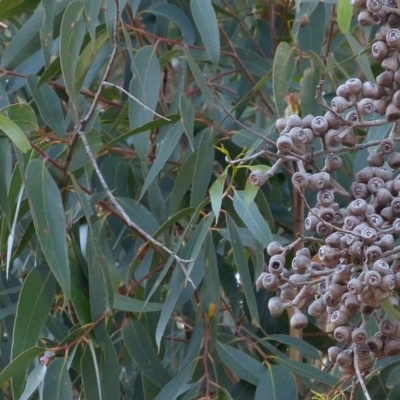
(365, 174)
(380, 106)
(392, 112)
(372, 90)
(355, 285)
(387, 213)
(369, 235)
(385, 78)
(359, 190)
(375, 344)
(351, 116)
(311, 222)
(288, 292)
(380, 34)
(284, 143)
(395, 204)
(392, 347)
(365, 106)
(391, 63)
(373, 253)
(383, 173)
(394, 160)
(379, 50)
(276, 264)
(393, 40)
(275, 306)
(292, 121)
(373, 279)
(381, 266)
(340, 104)
(274, 248)
(374, 184)
(359, 335)
(387, 283)
(387, 327)
(280, 124)
(341, 91)
(393, 20)
(339, 318)
(376, 159)
(374, 6)
(323, 229)
(300, 180)
(298, 320)
(349, 139)
(306, 121)
(383, 197)
(333, 162)
(258, 178)
(353, 85)
(319, 124)
(332, 138)
(357, 207)
(344, 359)
(333, 352)
(351, 301)
(319, 180)
(317, 308)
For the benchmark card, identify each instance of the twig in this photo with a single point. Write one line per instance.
(360, 377)
(135, 99)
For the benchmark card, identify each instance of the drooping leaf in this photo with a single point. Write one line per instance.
(344, 13)
(49, 219)
(242, 364)
(207, 24)
(277, 383)
(34, 379)
(57, 382)
(15, 133)
(282, 71)
(123, 303)
(71, 36)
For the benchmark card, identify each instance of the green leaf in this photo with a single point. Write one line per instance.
(390, 309)
(123, 303)
(49, 219)
(305, 348)
(143, 353)
(207, 24)
(243, 269)
(343, 15)
(178, 16)
(203, 167)
(19, 363)
(216, 191)
(16, 8)
(15, 133)
(178, 384)
(167, 146)
(282, 72)
(5, 176)
(251, 216)
(145, 87)
(89, 376)
(92, 8)
(242, 364)
(57, 383)
(34, 379)
(73, 29)
(187, 113)
(277, 383)
(49, 105)
(22, 114)
(34, 304)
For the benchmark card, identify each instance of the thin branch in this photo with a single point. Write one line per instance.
(360, 377)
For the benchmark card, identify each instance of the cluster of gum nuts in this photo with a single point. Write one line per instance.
(354, 279)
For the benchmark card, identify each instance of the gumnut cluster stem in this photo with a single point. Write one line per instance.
(343, 282)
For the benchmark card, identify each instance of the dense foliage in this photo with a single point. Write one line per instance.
(146, 166)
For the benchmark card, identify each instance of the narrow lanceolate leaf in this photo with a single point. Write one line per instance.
(22, 114)
(35, 378)
(277, 383)
(123, 303)
(19, 363)
(242, 364)
(243, 268)
(216, 191)
(187, 114)
(34, 304)
(207, 24)
(144, 356)
(15, 133)
(344, 15)
(251, 216)
(49, 219)
(72, 33)
(282, 71)
(57, 383)
(167, 146)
